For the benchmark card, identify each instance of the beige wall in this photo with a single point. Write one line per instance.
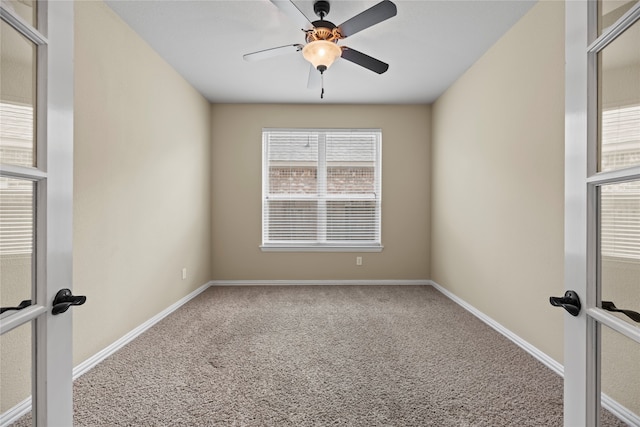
(236, 193)
(498, 178)
(141, 182)
(163, 180)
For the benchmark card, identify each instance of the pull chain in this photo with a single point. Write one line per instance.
(322, 83)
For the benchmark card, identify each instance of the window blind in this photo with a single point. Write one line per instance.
(321, 188)
(620, 203)
(16, 134)
(620, 220)
(16, 216)
(16, 196)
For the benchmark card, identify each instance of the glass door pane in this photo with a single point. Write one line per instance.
(15, 367)
(619, 101)
(620, 249)
(609, 11)
(16, 242)
(18, 59)
(619, 286)
(620, 370)
(17, 98)
(25, 9)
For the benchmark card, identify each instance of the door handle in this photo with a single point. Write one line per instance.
(24, 304)
(610, 306)
(569, 302)
(65, 299)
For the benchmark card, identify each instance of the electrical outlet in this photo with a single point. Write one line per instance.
(358, 260)
(184, 273)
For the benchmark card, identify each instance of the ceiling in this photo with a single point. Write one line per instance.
(428, 45)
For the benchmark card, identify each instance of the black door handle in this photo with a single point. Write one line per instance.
(65, 299)
(610, 306)
(569, 302)
(24, 304)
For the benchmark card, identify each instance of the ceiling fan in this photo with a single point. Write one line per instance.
(321, 37)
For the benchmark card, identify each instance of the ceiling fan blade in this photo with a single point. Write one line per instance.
(274, 51)
(315, 80)
(291, 10)
(363, 60)
(372, 16)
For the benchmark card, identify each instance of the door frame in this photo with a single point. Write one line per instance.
(582, 390)
(51, 335)
(578, 336)
(54, 333)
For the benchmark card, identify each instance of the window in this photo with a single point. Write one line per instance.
(321, 189)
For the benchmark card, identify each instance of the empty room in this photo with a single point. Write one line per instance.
(314, 213)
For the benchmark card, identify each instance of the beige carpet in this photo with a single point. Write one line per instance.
(320, 356)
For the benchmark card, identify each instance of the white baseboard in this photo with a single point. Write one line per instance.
(15, 413)
(620, 411)
(24, 407)
(535, 352)
(607, 402)
(317, 282)
(117, 345)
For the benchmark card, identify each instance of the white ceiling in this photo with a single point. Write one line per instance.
(428, 45)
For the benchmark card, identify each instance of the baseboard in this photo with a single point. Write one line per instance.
(15, 413)
(535, 352)
(607, 402)
(24, 407)
(620, 411)
(117, 345)
(318, 282)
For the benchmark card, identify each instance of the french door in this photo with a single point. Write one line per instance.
(36, 172)
(602, 210)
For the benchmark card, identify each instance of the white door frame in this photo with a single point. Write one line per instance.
(54, 402)
(582, 392)
(576, 329)
(53, 175)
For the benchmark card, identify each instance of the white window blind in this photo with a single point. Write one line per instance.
(321, 189)
(16, 216)
(620, 203)
(16, 196)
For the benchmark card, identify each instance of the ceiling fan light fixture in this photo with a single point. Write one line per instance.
(321, 53)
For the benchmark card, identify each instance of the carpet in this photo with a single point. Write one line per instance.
(320, 356)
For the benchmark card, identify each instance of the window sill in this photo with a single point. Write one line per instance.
(323, 248)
